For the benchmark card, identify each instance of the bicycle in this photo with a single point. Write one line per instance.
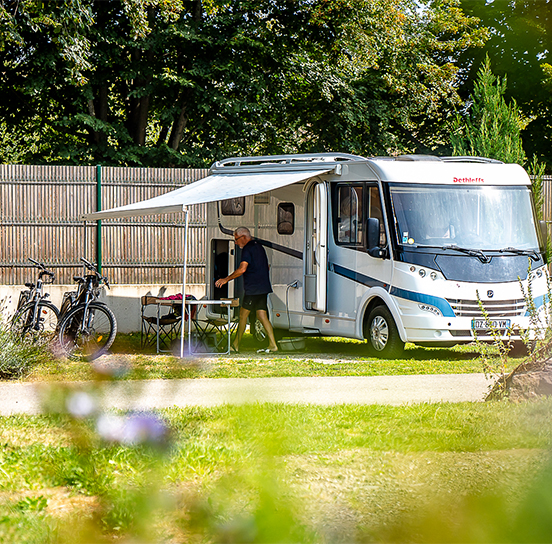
(87, 326)
(35, 316)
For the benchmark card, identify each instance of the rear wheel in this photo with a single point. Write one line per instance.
(382, 334)
(38, 326)
(89, 335)
(258, 331)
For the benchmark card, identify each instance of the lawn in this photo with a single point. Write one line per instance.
(466, 472)
(469, 472)
(322, 357)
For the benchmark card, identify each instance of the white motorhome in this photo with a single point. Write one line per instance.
(392, 250)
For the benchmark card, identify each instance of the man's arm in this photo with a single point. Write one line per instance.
(236, 274)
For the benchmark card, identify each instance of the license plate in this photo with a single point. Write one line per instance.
(482, 324)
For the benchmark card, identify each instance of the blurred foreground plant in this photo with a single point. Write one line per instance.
(18, 356)
(536, 340)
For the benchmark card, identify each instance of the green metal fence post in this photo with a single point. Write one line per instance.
(99, 222)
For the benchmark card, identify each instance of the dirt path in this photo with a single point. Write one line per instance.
(150, 394)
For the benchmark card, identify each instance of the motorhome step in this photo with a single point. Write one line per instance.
(306, 331)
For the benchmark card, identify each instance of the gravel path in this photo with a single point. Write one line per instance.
(149, 394)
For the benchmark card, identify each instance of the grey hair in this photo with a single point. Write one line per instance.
(242, 231)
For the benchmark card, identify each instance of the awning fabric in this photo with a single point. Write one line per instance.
(210, 189)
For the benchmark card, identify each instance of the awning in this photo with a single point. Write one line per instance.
(210, 189)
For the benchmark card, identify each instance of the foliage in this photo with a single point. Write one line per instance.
(535, 340)
(536, 170)
(492, 128)
(18, 357)
(160, 83)
(519, 45)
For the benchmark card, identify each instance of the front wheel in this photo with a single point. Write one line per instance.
(87, 331)
(382, 334)
(38, 325)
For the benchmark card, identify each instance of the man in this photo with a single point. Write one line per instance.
(254, 269)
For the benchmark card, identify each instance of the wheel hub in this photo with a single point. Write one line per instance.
(379, 333)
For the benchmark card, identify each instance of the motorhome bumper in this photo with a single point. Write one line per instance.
(457, 330)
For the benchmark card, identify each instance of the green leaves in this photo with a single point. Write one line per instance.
(492, 127)
(156, 82)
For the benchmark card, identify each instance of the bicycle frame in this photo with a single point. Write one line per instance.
(85, 318)
(88, 291)
(35, 296)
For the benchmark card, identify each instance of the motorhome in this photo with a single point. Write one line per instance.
(391, 250)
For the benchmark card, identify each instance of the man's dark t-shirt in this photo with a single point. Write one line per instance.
(256, 280)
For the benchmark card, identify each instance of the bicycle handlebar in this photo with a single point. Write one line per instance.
(43, 271)
(92, 268)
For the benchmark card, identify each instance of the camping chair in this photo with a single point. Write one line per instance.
(212, 330)
(161, 322)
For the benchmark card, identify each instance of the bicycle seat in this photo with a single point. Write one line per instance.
(78, 278)
(29, 285)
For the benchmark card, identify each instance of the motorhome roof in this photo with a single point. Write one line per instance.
(402, 168)
(311, 158)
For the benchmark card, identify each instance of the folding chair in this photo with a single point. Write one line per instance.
(212, 330)
(161, 327)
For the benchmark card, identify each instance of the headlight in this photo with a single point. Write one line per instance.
(429, 308)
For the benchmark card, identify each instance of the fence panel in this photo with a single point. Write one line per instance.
(41, 206)
(40, 210)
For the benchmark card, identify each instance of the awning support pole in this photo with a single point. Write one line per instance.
(184, 271)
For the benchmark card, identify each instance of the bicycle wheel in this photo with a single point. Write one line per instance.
(89, 335)
(40, 325)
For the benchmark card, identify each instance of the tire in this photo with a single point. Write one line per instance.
(258, 332)
(42, 328)
(92, 340)
(382, 334)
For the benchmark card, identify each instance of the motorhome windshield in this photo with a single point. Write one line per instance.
(487, 218)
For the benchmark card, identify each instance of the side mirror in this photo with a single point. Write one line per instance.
(373, 235)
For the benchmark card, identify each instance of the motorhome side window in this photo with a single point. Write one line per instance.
(350, 216)
(286, 218)
(233, 206)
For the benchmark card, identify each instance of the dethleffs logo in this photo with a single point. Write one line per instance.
(468, 180)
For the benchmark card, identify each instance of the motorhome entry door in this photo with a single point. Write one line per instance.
(316, 248)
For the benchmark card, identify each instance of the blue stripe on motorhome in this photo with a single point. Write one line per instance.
(356, 276)
(283, 249)
(437, 302)
(538, 302)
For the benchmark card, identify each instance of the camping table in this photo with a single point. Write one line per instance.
(222, 302)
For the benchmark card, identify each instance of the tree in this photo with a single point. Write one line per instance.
(186, 82)
(492, 128)
(520, 46)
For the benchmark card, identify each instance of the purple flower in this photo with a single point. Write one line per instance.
(133, 429)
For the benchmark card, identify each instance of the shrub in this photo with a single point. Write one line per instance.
(18, 355)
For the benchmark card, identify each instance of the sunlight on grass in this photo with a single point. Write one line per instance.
(322, 357)
(280, 473)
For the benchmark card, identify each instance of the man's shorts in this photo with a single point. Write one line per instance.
(255, 302)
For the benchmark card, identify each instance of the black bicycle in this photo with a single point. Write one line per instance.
(35, 316)
(87, 326)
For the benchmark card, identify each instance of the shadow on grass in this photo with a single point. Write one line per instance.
(318, 347)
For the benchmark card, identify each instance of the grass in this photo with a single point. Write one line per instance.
(322, 357)
(469, 472)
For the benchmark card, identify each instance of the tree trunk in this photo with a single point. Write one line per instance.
(179, 125)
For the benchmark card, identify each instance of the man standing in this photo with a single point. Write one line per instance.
(254, 269)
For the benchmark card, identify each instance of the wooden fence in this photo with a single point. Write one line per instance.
(40, 207)
(40, 210)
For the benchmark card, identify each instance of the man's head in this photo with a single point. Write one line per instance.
(242, 235)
